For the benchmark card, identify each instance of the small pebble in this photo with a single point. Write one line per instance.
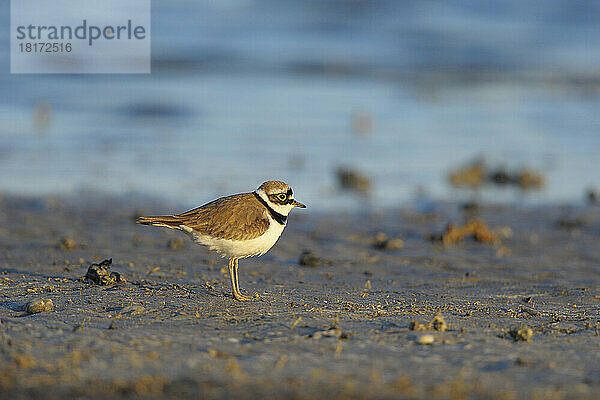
(425, 339)
(40, 305)
(67, 244)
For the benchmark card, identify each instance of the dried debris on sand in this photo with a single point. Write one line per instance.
(471, 175)
(592, 196)
(417, 326)
(67, 244)
(176, 244)
(130, 311)
(381, 241)
(333, 331)
(100, 274)
(437, 323)
(478, 173)
(349, 179)
(310, 259)
(363, 122)
(571, 224)
(475, 228)
(529, 179)
(520, 334)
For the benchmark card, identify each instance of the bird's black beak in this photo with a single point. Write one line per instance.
(298, 204)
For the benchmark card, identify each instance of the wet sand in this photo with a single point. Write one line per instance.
(522, 315)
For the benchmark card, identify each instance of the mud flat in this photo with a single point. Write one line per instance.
(360, 320)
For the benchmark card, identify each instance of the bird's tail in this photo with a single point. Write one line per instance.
(168, 221)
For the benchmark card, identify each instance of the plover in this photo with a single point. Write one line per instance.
(237, 226)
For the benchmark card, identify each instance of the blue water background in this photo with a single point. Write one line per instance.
(242, 91)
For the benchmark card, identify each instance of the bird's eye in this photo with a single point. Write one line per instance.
(282, 196)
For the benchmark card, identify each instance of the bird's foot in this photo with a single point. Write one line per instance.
(242, 297)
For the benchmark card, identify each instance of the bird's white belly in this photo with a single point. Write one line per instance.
(240, 248)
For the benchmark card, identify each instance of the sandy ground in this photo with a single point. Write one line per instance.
(341, 329)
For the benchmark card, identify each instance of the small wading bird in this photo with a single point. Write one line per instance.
(237, 226)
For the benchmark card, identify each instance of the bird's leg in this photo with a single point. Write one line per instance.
(237, 294)
(232, 276)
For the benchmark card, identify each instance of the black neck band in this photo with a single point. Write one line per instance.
(276, 216)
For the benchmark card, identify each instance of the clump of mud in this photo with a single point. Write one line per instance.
(475, 228)
(100, 274)
(437, 323)
(310, 259)
(477, 173)
(520, 334)
(349, 179)
(382, 242)
(67, 244)
(529, 179)
(417, 326)
(471, 175)
(363, 122)
(39, 305)
(470, 206)
(592, 197)
(176, 244)
(571, 224)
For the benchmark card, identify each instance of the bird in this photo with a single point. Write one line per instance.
(236, 226)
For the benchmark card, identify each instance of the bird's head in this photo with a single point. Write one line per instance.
(279, 196)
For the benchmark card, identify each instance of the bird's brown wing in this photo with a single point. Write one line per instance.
(235, 217)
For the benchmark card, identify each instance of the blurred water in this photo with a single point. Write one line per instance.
(243, 91)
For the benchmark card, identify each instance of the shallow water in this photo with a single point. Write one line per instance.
(242, 92)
